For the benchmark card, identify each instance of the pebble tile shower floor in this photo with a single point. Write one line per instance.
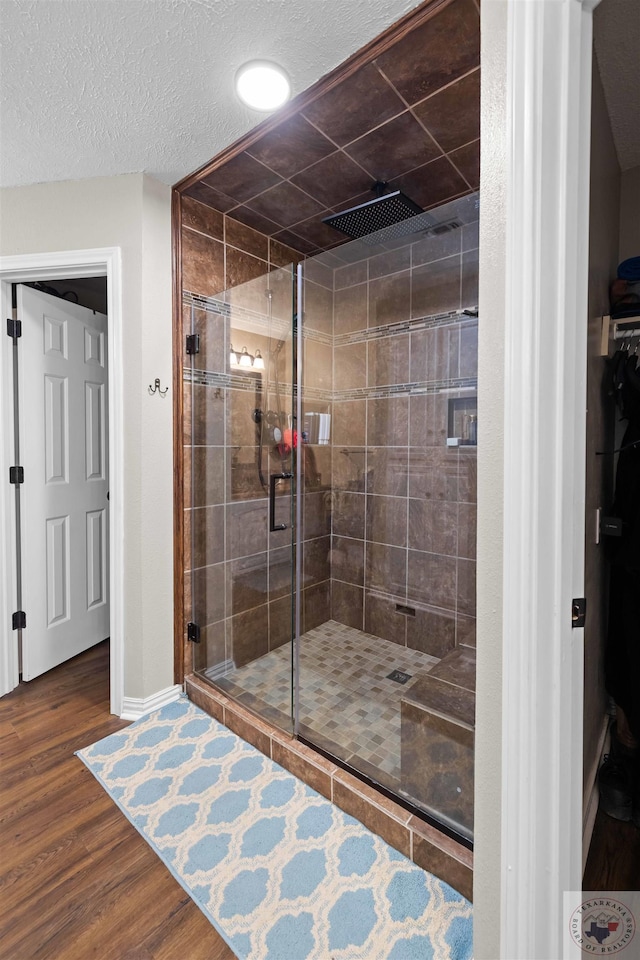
(347, 701)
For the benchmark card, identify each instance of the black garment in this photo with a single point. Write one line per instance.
(622, 654)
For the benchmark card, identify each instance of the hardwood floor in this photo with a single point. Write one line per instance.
(614, 856)
(76, 879)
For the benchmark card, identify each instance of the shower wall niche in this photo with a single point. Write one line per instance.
(331, 533)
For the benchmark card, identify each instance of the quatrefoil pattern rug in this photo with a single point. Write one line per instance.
(279, 871)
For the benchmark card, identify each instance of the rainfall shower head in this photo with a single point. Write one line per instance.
(382, 212)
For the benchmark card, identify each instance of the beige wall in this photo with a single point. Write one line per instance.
(131, 212)
(493, 222)
(603, 260)
(630, 214)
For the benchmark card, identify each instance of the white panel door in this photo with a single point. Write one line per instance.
(64, 452)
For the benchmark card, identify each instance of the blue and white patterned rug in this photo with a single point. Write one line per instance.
(280, 872)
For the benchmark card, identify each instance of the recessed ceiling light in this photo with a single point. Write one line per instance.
(262, 85)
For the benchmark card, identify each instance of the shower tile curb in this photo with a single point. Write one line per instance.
(424, 844)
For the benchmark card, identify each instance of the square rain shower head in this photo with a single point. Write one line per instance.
(374, 215)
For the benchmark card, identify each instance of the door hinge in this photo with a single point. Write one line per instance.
(193, 632)
(16, 475)
(14, 328)
(193, 343)
(578, 612)
(19, 620)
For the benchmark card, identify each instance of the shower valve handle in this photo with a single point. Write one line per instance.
(273, 526)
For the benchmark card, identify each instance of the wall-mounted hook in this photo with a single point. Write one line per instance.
(156, 388)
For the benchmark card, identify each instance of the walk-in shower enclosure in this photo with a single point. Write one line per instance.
(331, 479)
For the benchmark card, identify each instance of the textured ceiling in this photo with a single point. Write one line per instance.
(617, 44)
(104, 87)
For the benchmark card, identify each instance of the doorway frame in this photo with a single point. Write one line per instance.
(67, 265)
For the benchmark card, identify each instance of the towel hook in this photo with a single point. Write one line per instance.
(156, 388)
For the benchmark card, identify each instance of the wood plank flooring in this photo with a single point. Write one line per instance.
(614, 856)
(76, 879)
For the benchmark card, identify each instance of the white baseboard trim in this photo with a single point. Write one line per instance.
(133, 708)
(592, 793)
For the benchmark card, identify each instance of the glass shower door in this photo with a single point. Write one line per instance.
(239, 473)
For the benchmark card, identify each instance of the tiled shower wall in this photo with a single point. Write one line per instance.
(242, 579)
(403, 502)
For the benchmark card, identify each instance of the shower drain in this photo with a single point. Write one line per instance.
(398, 676)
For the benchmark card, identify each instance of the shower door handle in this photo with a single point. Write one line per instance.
(273, 526)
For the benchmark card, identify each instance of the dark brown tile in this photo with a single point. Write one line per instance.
(471, 236)
(212, 355)
(198, 216)
(355, 106)
(436, 247)
(208, 594)
(467, 524)
(249, 728)
(242, 177)
(315, 560)
(452, 115)
(388, 357)
(280, 255)
(316, 232)
(433, 526)
(212, 198)
(280, 571)
(318, 270)
(316, 605)
(467, 587)
(350, 309)
(348, 469)
(350, 366)
(436, 287)
(280, 622)
(352, 274)
(241, 267)
(349, 423)
(431, 579)
(247, 582)
(242, 431)
(458, 668)
(469, 350)
(388, 417)
(433, 184)
(389, 299)
(391, 261)
(348, 514)
(467, 161)
(209, 700)
(212, 647)
(291, 146)
(255, 221)
(203, 414)
(333, 180)
(395, 148)
(287, 238)
(386, 569)
(429, 854)
(318, 365)
(304, 763)
(446, 46)
(246, 528)
(387, 520)
(202, 264)
(286, 204)
(316, 520)
(370, 808)
(470, 280)
(347, 560)
(243, 480)
(387, 470)
(208, 536)
(208, 479)
(249, 637)
(383, 620)
(434, 353)
(347, 604)
(468, 476)
(245, 238)
(318, 308)
(432, 631)
(465, 631)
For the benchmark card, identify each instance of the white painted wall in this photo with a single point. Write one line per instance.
(131, 212)
(630, 214)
